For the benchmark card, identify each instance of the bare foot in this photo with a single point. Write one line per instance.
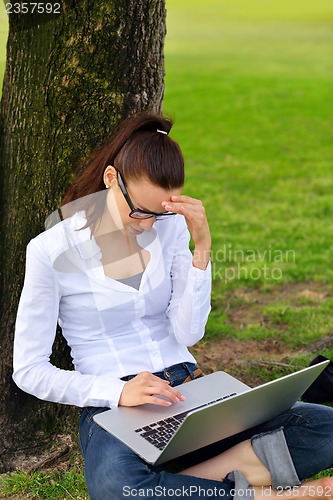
(309, 490)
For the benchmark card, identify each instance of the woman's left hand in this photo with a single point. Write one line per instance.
(195, 215)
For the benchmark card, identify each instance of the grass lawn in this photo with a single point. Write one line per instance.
(249, 83)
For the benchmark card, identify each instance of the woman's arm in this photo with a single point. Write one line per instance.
(34, 336)
(189, 306)
(196, 220)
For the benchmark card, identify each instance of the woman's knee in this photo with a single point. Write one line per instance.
(313, 417)
(105, 479)
(111, 468)
(310, 438)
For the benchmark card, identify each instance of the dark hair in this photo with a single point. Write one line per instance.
(138, 149)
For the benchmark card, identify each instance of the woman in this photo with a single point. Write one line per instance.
(118, 276)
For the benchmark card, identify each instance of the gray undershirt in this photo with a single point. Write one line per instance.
(133, 281)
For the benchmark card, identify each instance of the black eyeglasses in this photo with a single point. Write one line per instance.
(136, 213)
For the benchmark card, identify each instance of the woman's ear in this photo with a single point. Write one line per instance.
(110, 176)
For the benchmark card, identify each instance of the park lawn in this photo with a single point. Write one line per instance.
(249, 83)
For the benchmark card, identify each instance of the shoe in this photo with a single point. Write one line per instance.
(321, 390)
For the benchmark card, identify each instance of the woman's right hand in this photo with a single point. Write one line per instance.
(146, 388)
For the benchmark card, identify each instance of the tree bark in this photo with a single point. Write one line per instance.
(69, 77)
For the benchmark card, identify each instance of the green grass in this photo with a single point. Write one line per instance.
(56, 484)
(249, 83)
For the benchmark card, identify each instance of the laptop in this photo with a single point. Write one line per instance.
(216, 407)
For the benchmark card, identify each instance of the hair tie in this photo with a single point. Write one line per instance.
(162, 131)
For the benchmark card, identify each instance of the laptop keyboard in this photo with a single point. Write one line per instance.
(159, 433)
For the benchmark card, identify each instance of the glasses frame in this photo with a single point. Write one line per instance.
(142, 213)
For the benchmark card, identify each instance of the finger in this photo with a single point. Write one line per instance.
(167, 392)
(190, 212)
(164, 389)
(198, 217)
(165, 400)
(170, 207)
(178, 208)
(173, 394)
(154, 400)
(185, 199)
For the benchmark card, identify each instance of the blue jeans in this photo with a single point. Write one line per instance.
(114, 472)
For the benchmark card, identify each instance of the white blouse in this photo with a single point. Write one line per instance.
(112, 329)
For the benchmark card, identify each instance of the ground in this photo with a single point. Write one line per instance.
(238, 356)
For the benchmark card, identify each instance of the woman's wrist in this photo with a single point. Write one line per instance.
(201, 256)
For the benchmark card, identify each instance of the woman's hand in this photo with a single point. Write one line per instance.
(196, 221)
(145, 388)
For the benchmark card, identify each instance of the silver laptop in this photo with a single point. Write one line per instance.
(216, 406)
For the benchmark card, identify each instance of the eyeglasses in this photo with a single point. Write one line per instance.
(136, 213)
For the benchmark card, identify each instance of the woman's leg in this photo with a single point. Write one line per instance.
(305, 448)
(114, 471)
(308, 432)
(291, 447)
(240, 457)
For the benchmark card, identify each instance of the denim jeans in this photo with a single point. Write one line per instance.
(115, 472)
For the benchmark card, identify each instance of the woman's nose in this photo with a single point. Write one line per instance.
(147, 224)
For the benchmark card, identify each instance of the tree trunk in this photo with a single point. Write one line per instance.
(70, 76)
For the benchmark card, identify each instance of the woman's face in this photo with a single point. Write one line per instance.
(145, 196)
